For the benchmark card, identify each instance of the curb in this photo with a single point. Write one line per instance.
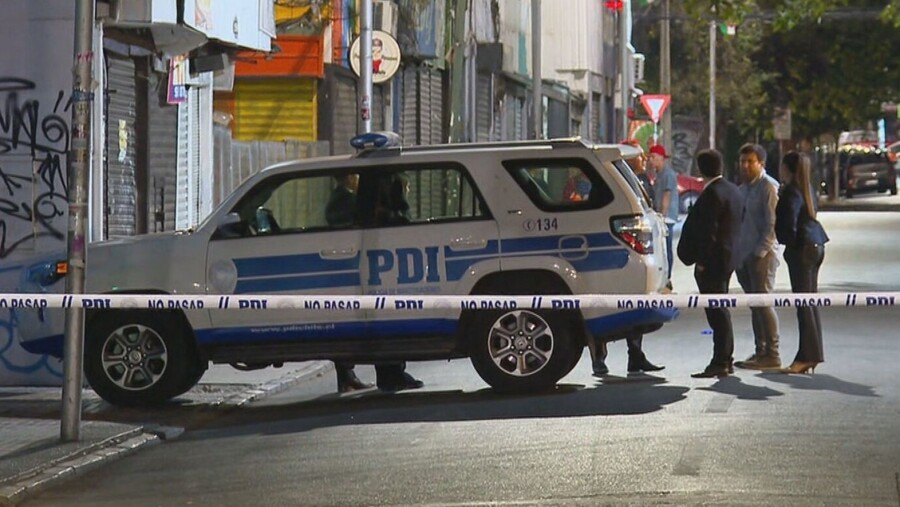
(36, 480)
(308, 371)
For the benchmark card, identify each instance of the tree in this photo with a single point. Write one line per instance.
(830, 61)
(834, 75)
(740, 94)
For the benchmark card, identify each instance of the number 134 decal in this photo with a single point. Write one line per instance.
(540, 224)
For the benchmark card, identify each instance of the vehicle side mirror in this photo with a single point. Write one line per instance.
(230, 226)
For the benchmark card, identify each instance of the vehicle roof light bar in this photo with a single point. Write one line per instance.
(384, 139)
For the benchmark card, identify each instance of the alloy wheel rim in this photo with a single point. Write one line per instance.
(134, 357)
(521, 343)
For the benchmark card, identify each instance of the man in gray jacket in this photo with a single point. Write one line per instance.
(756, 272)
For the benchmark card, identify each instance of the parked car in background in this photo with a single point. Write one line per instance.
(689, 188)
(861, 168)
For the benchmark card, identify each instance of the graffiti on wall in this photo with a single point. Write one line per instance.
(34, 141)
(685, 141)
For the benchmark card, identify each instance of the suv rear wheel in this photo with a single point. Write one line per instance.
(517, 351)
(135, 358)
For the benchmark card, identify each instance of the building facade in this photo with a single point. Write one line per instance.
(152, 144)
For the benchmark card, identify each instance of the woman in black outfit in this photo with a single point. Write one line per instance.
(804, 238)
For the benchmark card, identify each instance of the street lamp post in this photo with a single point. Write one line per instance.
(712, 85)
(536, 85)
(364, 93)
(78, 162)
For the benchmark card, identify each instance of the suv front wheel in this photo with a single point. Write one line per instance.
(518, 351)
(135, 358)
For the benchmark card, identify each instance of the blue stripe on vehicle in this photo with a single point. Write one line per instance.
(624, 321)
(292, 265)
(326, 330)
(573, 243)
(414, 327)
(602, 239)
(529, 245)
(292, 283)
(532, 244)
(456, 269)
(298, 331)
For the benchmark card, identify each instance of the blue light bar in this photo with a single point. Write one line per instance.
(384, 139)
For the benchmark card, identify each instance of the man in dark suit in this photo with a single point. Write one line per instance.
(710, 240)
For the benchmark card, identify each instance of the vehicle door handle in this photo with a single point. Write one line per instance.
(468, 243)
(339, 253)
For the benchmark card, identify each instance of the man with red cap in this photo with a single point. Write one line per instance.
(665, 196)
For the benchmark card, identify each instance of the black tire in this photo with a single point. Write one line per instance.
(523, 362)
(139, 358)
(894, 189)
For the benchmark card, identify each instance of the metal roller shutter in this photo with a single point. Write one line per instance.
(163, 160)
(276, 109)
(433, 114)
(408, 81)
(121, 152)
(344, 114)
(484, 110)
(421, 103)
(557, 119)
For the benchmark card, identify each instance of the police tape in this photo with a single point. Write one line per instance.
(433, 302)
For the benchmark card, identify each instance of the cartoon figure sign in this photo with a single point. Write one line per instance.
(385, 56)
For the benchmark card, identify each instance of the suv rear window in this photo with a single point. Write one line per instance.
(633, 182)
(560, 185)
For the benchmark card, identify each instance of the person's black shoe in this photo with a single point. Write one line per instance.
(713, 371)
(406, 382)
(639, 364)
(600, 368)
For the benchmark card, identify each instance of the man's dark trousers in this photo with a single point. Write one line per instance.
(719, 318)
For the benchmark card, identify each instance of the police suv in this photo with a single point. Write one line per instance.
(553, 217)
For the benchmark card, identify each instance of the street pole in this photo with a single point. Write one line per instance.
(458, 73)
(364, 93)
(78, 162)
(665, 73)
(712, 85)
(536, 84)
(625, 92)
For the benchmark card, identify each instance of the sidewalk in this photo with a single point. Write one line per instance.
(32, 457)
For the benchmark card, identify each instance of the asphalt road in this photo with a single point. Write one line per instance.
(753, 439)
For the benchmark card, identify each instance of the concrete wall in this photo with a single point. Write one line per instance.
(35, 84)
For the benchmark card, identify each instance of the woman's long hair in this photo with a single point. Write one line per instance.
(799, 166)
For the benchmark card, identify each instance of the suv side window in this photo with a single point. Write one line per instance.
(300, 202)
(425, 195)
(560, 185)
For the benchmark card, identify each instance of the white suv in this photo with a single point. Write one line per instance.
(517, 218)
